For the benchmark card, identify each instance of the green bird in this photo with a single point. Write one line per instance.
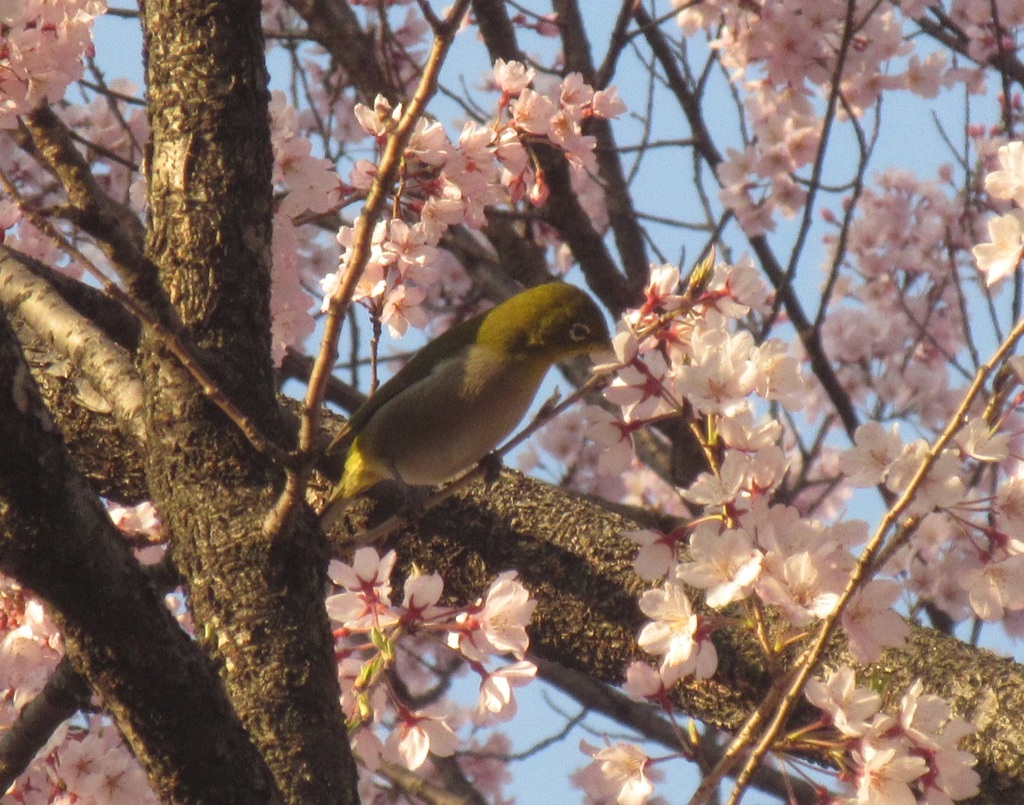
(463, 392)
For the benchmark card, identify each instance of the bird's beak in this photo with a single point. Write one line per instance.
(603, 357)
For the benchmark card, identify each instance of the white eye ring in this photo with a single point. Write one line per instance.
(579, 332)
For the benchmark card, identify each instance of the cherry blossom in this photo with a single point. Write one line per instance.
(366, 600)
(607, 104)
(724, 564)
(512, 77)
(1000, 258)
(658, 552)
(996, 586)
(500, 624)
(941, 486)
(870, 622)
(1008, 183)
(1009, 506)
(885, 774)
(675, 633)
(927, 723)
(622, 773)
(644, 683)
(378, 120)
(142, 518)
(978, 440)
(640, 388)
(422, 593)
(849, 708)
(44, 46)
(801, 586)
(738, 288)
(742, 432)
(722, 374)
(614, 436)
(496, 698)
(416, 735)
(723, 487)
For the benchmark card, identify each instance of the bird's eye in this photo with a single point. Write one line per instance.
(579, 332)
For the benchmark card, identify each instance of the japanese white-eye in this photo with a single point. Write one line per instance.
(464, 391)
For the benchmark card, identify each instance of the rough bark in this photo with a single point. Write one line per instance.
(570, 554)
(257, 597)
(57, 540)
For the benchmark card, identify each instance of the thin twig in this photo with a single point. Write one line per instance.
(376, 201)
(782, 700)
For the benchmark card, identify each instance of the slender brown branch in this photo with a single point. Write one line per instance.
(788, 696)
(376, 203)
(562, 210)
(173, 341)
(116, 228)
(689, 102)
(334, 26)
(629, 237)
(420, 790)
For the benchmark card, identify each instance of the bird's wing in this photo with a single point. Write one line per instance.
(423, 364)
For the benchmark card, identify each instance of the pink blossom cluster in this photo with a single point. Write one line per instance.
(36, 185)
(785, 57)
(117, 133)
(112, 133)
(446, 184)
(901, 759)
(966, 556)
(307, 186)
(675, 360)
(1001, 256)
(374, 639)
(41, 51)
(84, 764)
(897, 316)
(683, 356)
(570, 449)
(29, 651)
(987, 25)
(87, 764)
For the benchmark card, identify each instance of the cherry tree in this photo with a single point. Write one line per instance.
(768, 535)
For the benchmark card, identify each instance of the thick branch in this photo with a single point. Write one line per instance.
(148, 672)
(334, 26)
(570, 554)
(106, 448)
(106, 366)
(257, 600)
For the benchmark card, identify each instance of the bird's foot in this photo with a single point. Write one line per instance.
(491, 465)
